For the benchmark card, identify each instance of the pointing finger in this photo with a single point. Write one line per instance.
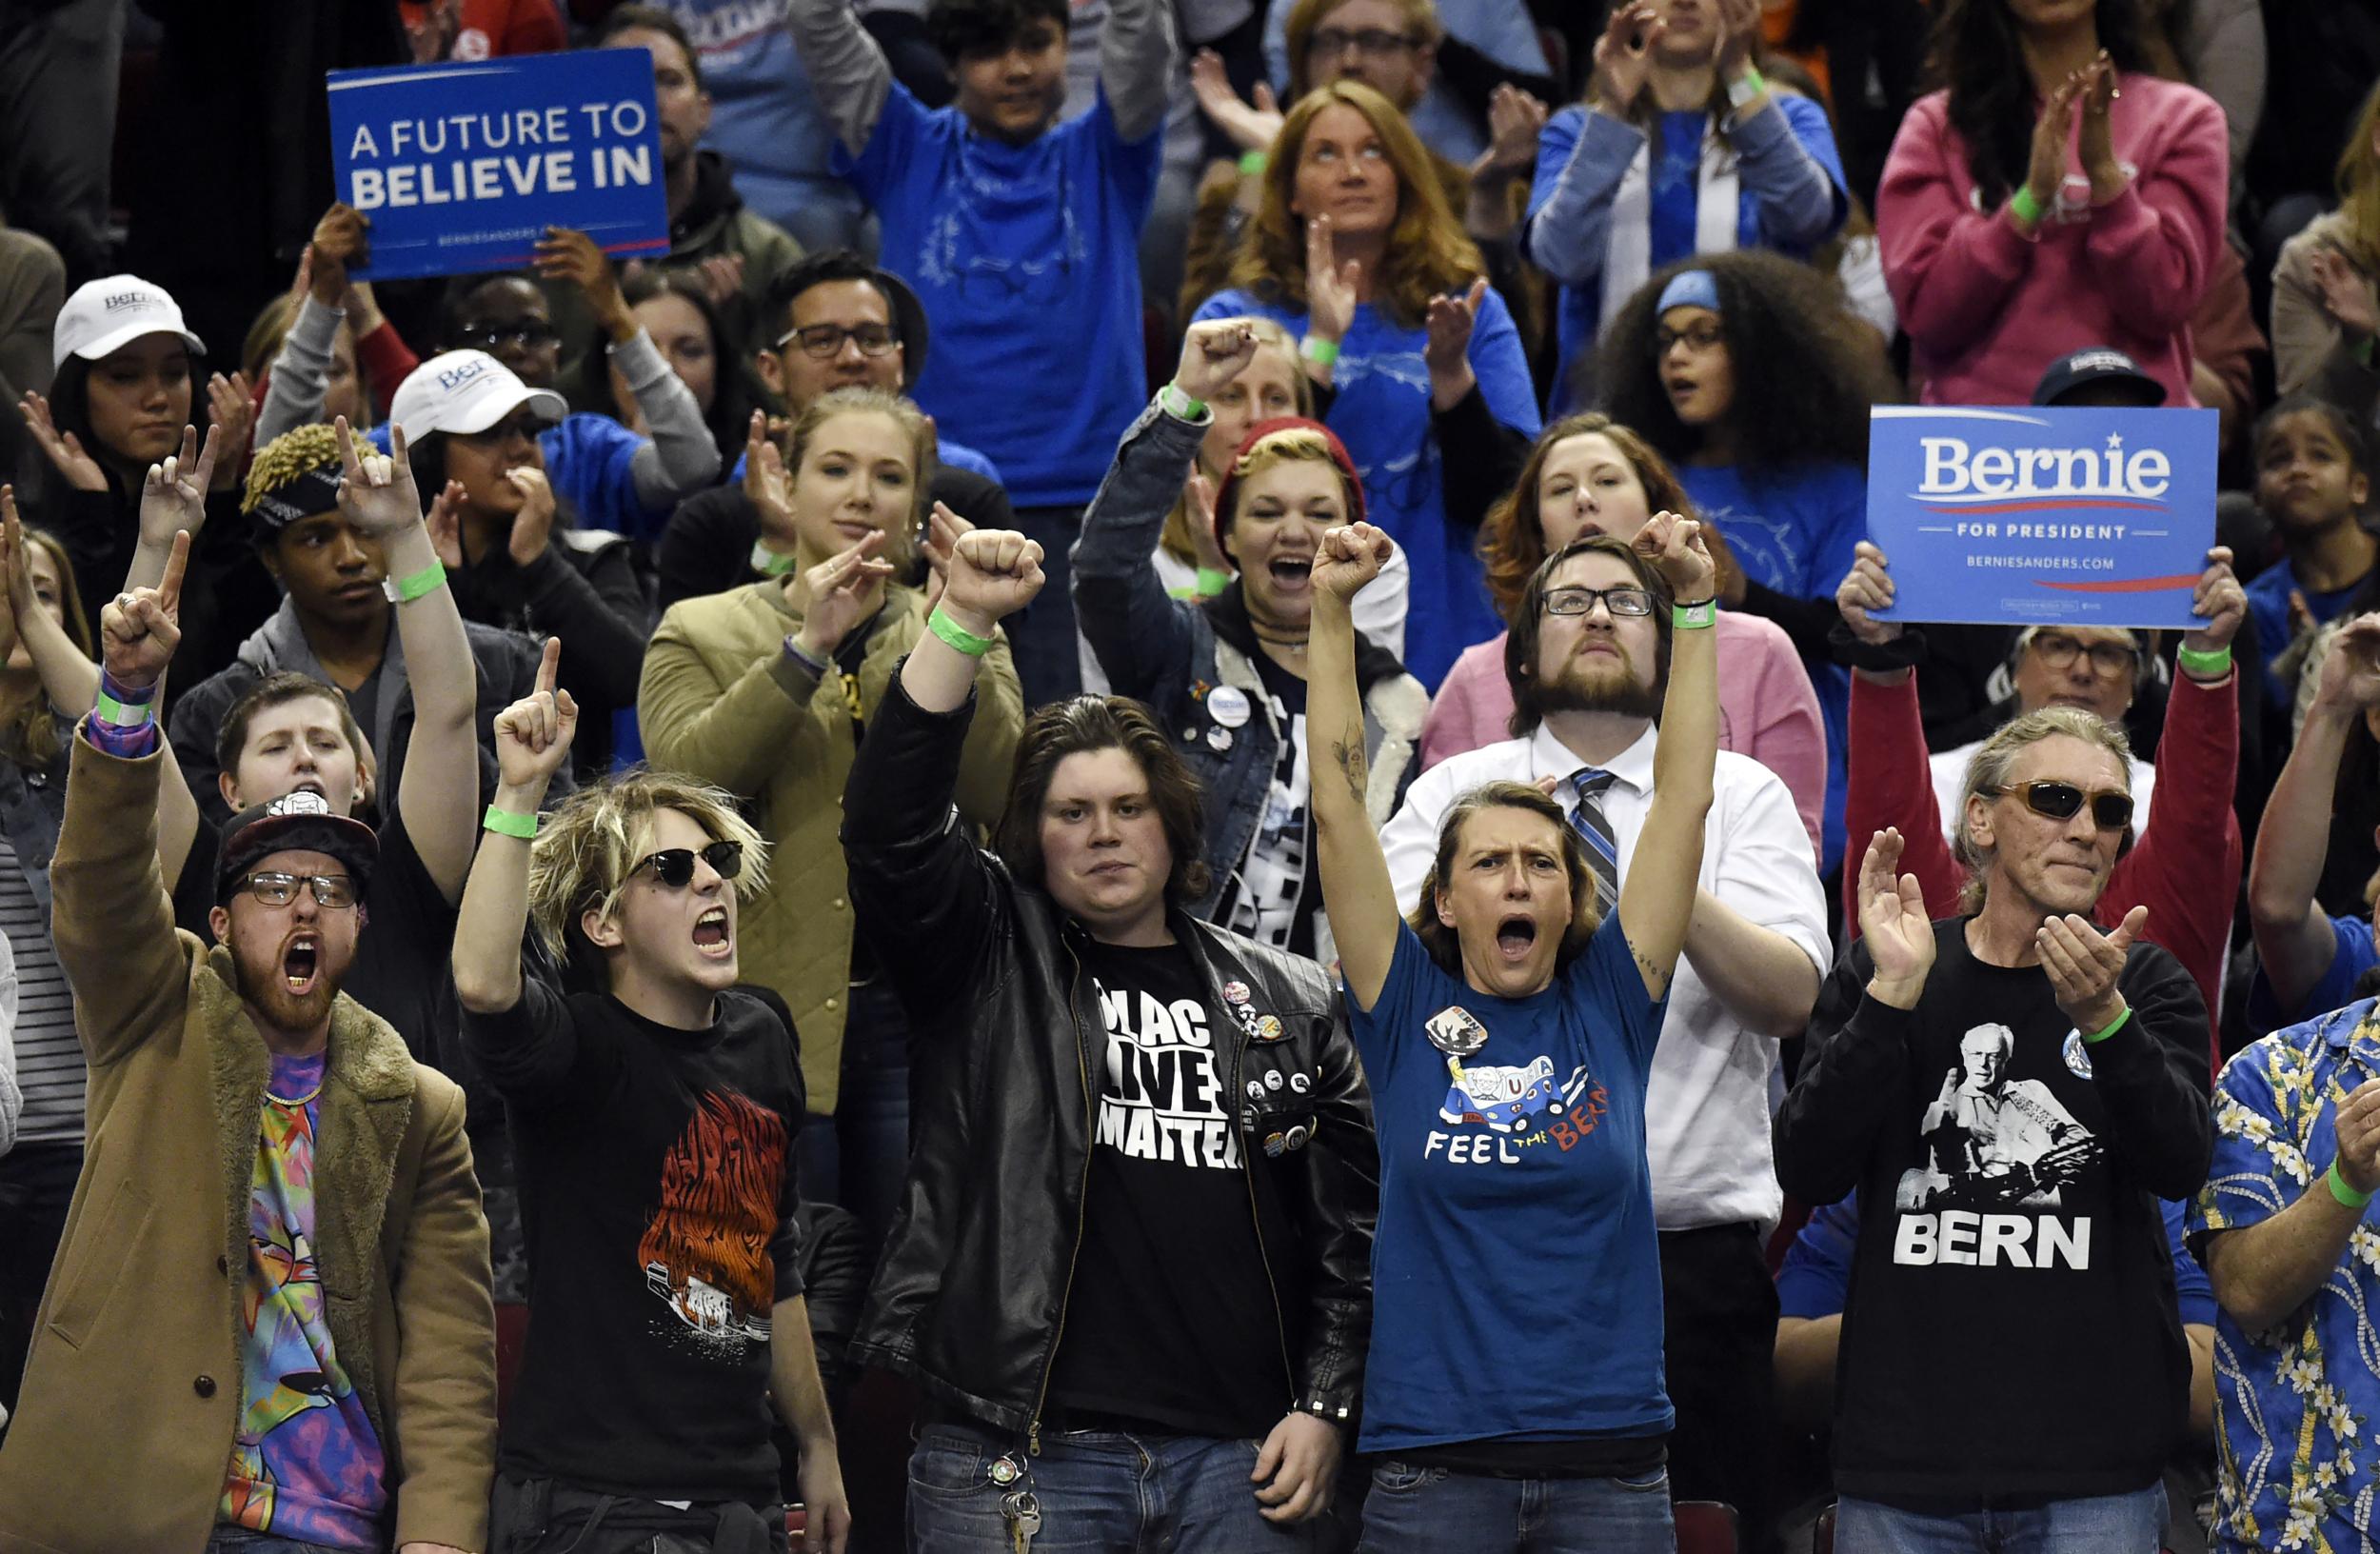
(169, 586)
(549, 666)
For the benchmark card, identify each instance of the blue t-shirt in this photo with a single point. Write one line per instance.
(1796, 531)
(1578, 312)
(2269, 607)
(2353, 955)
(1814, 1280)
(1383, 413)
(1515, 1276)
(1027, 260)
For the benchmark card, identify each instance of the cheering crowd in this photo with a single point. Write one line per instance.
(1173, 802)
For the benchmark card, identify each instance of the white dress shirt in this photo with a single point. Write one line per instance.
(1707, 1111)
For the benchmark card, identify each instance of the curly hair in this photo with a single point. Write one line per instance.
(1428, 253)
(1082, 725)
(1978, 54)
(586, 850)
(1805, 372)
(295, 452)
(1441, 940)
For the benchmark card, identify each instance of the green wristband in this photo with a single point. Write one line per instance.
(2024, 207)
(1175, 402)
(404, 591)
(1212, 582)
(957, 635)
(1694, 616)
(504, 823)
(1252, 164)
(2348, 1196)
(2213, 665)
(1320, 351)
(123, 714)
(2111, 1027)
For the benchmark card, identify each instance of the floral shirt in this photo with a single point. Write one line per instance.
(2295, 1403)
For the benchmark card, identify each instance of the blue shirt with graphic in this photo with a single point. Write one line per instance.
(1516, 1281)
(306, 1462)
(1796, 531)
(1381, 413)
(1022, 255)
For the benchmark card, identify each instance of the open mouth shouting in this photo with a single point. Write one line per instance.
(1516, 936)
(301, 963)
(711, 935)
(1291, 574)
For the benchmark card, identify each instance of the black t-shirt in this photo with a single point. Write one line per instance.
(1169, 1320)
(657, 1190)
(1275, 894)
(2011, 1332)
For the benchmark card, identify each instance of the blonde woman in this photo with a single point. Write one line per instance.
(766, 691)
(1356, 249)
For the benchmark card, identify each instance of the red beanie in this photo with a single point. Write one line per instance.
(1265, 428)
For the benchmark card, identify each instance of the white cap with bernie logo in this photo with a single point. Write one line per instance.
(107, 314)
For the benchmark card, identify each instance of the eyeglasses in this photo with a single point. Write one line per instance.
(527, 427)
(1700, 335)
(2110, 810)
(673, 867)
(1331, 42)
(280, 890)
(2058, 652)
(526, 335)
(1621, 600)
(826, 340)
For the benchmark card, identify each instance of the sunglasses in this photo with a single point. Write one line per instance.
(673, 867)
(2110, 810)
(274, 890)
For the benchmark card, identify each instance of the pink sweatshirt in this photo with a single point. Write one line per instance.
(1767, 707)
(1988, 310)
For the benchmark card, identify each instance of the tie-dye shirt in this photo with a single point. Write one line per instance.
(305, 1464)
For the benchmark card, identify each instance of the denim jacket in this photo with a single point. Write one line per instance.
(1169, 653)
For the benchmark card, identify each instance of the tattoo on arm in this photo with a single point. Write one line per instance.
(1655, 977)
(1349, 754)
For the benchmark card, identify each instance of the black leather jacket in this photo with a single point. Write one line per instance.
(970, 1296)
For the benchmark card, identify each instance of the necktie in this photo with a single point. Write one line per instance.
(1603, 848)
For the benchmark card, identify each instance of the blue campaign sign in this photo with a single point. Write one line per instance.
(2027, 515)
(462, 167)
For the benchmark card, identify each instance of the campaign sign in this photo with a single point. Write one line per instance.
(2028, 515)
(462, 167)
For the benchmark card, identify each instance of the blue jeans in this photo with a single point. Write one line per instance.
(1101, 1492)
(1427, 1509)
(2129, 1524)
(241, 1540)
(858, 1158)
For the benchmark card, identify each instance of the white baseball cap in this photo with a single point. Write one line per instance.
(466, 392)
(107, 314)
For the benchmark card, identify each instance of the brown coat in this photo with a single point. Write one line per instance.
(132, 1393)
(722, 702)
